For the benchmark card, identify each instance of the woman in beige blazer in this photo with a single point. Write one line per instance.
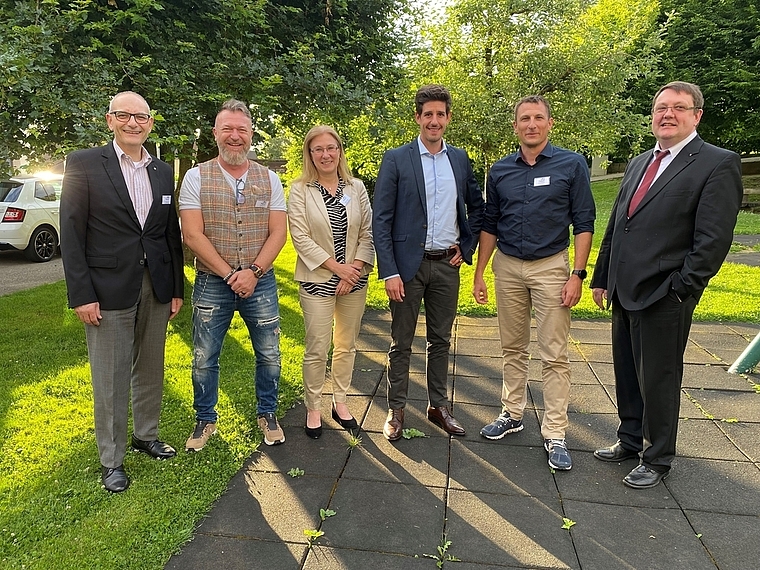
(330, 220)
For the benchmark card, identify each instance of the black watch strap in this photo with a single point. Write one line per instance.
(582, 273)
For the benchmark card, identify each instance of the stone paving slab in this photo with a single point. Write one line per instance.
(743, 406)
(730, 539)
(477, 390)
(728, 487)
(516, 530)
(746, 437)
(706, 439)
(502, 468)
(417, 461)
(478, 347)
(385, 517)
(714, 377)
(485, 366)
(619, 537)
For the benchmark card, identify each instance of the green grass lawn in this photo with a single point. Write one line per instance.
(53, 512)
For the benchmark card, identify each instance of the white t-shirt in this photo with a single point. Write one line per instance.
(190, 192)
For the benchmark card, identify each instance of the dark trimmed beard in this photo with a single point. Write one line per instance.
(233, 158)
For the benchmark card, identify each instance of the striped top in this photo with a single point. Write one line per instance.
(137, 181)
(336, 211)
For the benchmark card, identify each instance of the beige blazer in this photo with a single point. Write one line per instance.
(312, 236)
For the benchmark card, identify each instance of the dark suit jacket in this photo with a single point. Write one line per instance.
(679, 235)
(399, 222)
(103, 247)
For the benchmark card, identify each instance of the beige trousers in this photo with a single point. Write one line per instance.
(519, 286)
(327, 319)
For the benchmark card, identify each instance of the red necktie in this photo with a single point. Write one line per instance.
(646, 182)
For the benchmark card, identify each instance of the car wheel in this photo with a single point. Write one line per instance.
(42, 245)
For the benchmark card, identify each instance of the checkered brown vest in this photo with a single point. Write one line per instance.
(237, 231)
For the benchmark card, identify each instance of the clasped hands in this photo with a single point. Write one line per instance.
(349, 276)
(243, 282)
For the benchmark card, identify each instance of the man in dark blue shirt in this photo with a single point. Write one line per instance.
(532, 198)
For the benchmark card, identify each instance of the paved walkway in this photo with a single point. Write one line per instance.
(498, 503)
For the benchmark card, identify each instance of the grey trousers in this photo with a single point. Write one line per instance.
(127, 351)
(437, 283)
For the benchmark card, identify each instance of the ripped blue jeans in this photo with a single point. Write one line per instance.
(214, 304)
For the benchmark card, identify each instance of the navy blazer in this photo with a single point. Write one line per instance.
(399, 221)
(680, 233)
(103, 247)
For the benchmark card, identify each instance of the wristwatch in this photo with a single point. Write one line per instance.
(258, 272)
(581, 273)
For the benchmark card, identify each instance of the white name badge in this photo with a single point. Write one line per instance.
(262, 203)
(166, 198)
(345, 200)
(541, 181)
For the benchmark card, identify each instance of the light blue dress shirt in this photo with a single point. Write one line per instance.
(441, 197)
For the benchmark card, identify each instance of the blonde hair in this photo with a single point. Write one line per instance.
(309, 171)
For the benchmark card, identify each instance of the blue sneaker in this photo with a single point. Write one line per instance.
(559, 458)
(501, 426)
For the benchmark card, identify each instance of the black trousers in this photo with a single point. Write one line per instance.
(647, 351)
(437, 283)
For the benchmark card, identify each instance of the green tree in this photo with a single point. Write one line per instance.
(716, 44)
(61, 60)
(579, 54)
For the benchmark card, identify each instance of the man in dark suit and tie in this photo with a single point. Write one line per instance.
(122, 258)
(428, 209)
(669, 231)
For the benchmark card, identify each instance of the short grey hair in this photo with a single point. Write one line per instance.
(235, 106)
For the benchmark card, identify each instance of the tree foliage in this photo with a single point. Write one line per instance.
(716, 44)
(579, 54)
(61, 61)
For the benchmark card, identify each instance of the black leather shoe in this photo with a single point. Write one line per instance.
(615, 453)
(644, 477)
(313, 433)
(156, 449)
(349, 425)
(443, 419)
(115, 479)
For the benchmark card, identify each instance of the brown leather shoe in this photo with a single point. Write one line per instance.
(394, 425)
(443, 419)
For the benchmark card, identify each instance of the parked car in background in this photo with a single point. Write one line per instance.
(29, 210)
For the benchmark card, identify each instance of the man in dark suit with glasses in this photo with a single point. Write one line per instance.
(122, 258)
(669, 232)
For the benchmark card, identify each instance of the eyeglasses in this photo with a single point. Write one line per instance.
(124, 117)
(332, 149)
(239, 187)
(678, 109)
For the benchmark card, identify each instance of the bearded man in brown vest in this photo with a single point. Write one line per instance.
(234, 220)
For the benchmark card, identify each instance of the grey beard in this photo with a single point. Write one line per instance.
(233, 158)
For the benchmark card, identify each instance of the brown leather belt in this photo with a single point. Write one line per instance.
(439, 254)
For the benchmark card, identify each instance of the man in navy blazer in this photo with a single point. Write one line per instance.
(427, 213)
(661, 248)
(122, 259)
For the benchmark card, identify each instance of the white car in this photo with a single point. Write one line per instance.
(29, 211)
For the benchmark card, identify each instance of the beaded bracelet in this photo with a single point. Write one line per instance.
(230, 274)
